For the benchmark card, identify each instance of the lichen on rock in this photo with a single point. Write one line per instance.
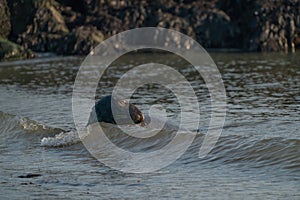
(12, 51)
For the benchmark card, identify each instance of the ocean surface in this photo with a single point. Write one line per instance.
(256, 157)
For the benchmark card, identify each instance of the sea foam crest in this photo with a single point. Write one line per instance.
(61, 139)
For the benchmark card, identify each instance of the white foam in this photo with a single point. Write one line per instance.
(31, 125)
(61, 139)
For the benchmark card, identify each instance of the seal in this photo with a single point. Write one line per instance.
(102, 112)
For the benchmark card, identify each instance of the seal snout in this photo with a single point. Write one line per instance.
(140, 118)
(135, 114)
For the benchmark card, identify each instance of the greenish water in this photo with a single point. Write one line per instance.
(256, 157)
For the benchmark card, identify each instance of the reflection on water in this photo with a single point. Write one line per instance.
(257, 156)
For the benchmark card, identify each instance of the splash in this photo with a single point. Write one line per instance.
(61, 139)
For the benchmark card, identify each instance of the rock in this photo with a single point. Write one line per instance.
(214, 29)
(4, 19)
(80, 41)
(8, 49)
(30, 175)
(265, 25)
(22, 13)
(48, 18)
(48, 26)
(50, 33)
(12, 51)
(75, 27)
(167, 20)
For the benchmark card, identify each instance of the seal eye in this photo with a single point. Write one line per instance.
(122, 103)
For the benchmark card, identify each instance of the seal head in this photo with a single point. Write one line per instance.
(102, 112)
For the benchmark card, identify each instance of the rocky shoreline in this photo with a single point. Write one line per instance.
(75, 27)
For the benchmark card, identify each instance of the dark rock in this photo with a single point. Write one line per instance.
(47, 19)
(30, 175)
(265, 25)
(49, 32)
(12, 51)
(4, 19)
(73, 27)
(22, 13)
(214, 29)
(8, 49)
(80, 41)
